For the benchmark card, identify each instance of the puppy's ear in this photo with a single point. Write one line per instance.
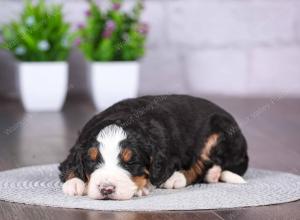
(160, 168)
(73, 166)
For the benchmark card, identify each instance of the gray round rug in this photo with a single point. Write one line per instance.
(39, 185)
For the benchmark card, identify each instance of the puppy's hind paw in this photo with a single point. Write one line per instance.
(230, 177)
(213, 174)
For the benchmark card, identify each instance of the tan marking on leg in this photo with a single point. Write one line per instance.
(143, 184)
(198, 168)
(210, 143)
(140, 181)
(93, 152)
(194, 172)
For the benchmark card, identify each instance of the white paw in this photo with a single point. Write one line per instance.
(74, 187)
(177, 180)
(213, 174)
(230, 177)
(144, 191)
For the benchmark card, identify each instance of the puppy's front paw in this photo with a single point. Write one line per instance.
(145, 191)
(74, 187)
(177, 180)
(142, 192)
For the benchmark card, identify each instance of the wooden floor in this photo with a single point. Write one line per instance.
(272, 128)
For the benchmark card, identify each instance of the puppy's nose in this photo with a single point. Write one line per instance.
(107, 190)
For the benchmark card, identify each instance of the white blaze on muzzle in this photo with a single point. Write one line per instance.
(110, 180)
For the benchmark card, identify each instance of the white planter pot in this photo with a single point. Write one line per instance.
(43, 85)
(112, 82)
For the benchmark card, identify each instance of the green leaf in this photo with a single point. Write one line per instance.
(104, 52)
(38, 22)
(116, 47)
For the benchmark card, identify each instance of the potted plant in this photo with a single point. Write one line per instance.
(40, 40)
(112, 41)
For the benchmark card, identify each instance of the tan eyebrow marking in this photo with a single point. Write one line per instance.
(93, 152)
(126, 154)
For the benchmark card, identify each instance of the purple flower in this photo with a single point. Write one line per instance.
(106, 34)
(116, 6)
(77, 42)
(87, 13)
(80, 26)
(109, 29)
(143, 28)
(110, 25)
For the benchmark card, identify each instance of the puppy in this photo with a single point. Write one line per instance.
(167, 141)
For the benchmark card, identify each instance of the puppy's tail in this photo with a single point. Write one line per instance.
(230, 177)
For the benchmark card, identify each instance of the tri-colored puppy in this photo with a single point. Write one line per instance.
(165, 141)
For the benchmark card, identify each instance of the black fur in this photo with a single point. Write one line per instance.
(165, 133)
